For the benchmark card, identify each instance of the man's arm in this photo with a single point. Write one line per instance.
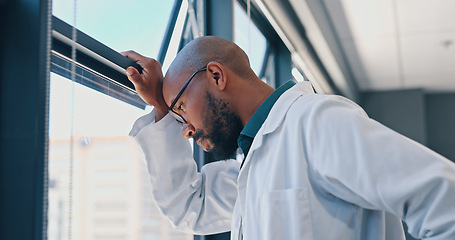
(368, 164)
(196, 202)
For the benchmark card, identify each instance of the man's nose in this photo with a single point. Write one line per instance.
(188, 130)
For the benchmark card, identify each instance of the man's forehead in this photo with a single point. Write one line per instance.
(173, 83)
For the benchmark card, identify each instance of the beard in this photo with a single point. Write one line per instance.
(224, 127)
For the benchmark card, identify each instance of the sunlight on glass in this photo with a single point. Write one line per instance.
(122, 25)
(95, 114)
(297, 75)
(176, 37)
(248, 37)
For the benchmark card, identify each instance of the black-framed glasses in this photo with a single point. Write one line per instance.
(171, 111)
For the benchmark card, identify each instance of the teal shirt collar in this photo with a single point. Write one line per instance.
(254, 124)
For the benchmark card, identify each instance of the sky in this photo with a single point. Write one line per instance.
(120, 24)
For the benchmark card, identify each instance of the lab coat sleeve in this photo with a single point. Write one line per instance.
(196, 202)
(363, 162)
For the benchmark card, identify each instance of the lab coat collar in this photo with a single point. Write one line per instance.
(277, 114)
(282, 105)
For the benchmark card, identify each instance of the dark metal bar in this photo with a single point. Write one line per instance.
(219, 17)
(23, 132)
(169, 31)
(89, 78)
(283, 65)
(265, 61)
(92, 53)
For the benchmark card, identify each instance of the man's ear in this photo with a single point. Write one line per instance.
(217, 75)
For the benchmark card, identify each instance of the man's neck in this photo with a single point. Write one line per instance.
(250, 98)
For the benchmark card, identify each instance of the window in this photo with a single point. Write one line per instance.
(248, 37)
(106, 169)
(269, 58)
(98, 184)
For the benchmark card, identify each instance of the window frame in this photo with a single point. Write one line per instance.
(96, 59)
(91, 53)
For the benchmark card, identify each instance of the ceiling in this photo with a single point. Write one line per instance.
(396, 44)
(375, 45)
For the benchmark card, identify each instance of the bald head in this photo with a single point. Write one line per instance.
(203, 50)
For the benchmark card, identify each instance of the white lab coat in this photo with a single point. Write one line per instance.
(318, 168)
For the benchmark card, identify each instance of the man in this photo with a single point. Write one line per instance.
(315, 167)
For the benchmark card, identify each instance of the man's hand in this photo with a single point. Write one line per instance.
(149, 84)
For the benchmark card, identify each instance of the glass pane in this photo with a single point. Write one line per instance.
(120, 24)
(249, 38)
(108, 193)
(94, 80)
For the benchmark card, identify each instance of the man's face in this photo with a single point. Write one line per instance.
(210, 121)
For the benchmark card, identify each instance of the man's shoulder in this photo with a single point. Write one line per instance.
(300, 103)
(315, 107)
(311, 102)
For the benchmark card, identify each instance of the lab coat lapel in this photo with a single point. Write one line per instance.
(276, 116)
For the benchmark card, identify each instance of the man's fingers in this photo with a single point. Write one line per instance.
(133, 75)
(133, 55)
